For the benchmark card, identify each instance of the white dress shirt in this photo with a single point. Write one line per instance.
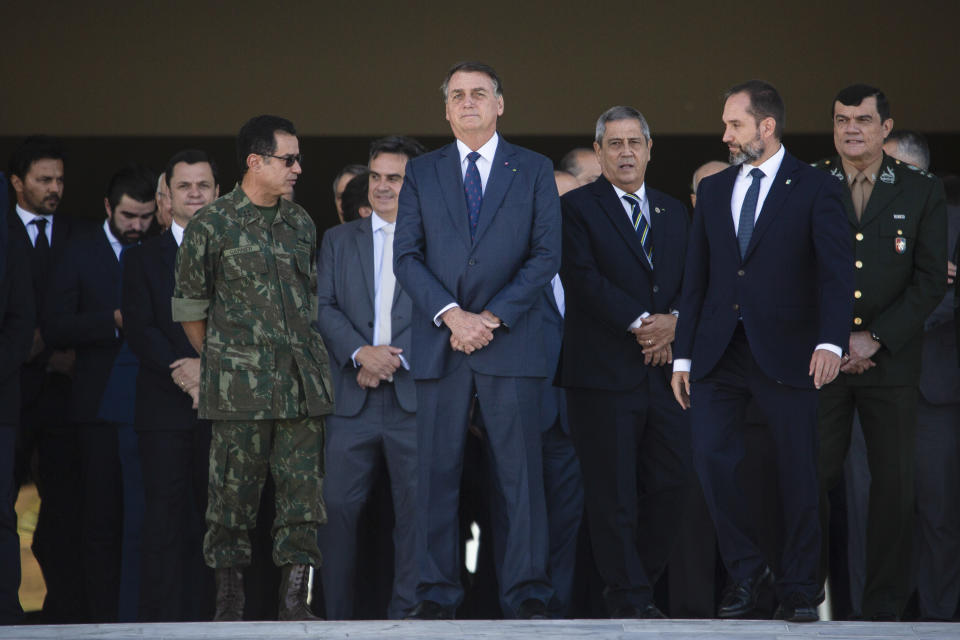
(770, 167)
(484, 165)
(378, 226)
(177, 232)
(115, 244)
(27, 218)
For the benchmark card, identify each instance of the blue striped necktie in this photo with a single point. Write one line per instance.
(473, 190)
(640, 225)
(748, 212)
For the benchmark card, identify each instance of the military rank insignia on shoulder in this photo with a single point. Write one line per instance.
(915, 169)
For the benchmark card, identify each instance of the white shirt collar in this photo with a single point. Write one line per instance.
(486, 152)
(377, 223)
(177, 232)
(641, 193)
(114, 242)
(27, 217)
(769, 167)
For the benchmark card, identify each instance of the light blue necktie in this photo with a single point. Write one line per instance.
(640, 225)
(748, 212)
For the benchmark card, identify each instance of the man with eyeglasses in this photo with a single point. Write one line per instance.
(245, 294)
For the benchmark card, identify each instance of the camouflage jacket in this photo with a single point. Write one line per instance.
(255, 285)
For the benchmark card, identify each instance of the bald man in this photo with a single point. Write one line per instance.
(582, 164)
(566, 181)
(704, 171)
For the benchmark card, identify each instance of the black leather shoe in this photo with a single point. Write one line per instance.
(430, 610)
(740, 598)
(648, 611)
(532, 609)
(796, 607)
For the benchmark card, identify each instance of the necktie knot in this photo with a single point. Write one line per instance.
(756, 173)
(473, 156)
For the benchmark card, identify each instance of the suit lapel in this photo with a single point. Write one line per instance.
(364, 239)
(168, 251)
(781, 187)
(611, 206)
(658, 221)
(61, 229)
(451, 186)
(498, 182)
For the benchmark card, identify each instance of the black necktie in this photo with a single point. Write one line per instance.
(748, 212)
(39, 259)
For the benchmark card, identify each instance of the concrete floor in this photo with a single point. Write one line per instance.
(494, 630)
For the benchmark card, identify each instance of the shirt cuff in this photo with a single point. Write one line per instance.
(682, 365)
(832, 348)
(403, 361)
(436, 319)
(189, 309)
(353, 357)
(636, 323)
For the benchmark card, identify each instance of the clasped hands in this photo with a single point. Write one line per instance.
(862, 348)
(377, 363)
(470, 332)
(185, 373)
(655, 334)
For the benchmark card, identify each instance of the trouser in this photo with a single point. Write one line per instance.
(354, 446)
(176, 586)
(889, 419)
(241, 453)
(10, 611)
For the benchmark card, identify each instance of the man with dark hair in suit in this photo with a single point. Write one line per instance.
(896, 216)
(478, 239)
(37, 179)
(624, 245)
(84, 314)
(767, 297)
(174, 445)
(340, 182)
(16, 333)
(364, 318)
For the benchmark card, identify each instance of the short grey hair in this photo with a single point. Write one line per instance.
(912, 147)
(620, 113)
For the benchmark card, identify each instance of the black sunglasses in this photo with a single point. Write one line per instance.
(288, 161)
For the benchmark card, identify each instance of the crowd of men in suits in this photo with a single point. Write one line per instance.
(680, 384)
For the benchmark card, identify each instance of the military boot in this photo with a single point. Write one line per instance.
(294, 589)
(229, 594)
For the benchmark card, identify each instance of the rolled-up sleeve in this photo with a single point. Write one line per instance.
(195, 272)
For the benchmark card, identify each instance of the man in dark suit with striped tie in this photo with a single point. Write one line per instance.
(623, 252)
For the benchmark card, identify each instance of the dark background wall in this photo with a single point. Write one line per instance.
(123, 80)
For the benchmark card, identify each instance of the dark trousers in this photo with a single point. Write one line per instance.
(101, 518)
(132, 527)
(889, 419)
(353, 450)
(57, 539)
(937, 534)
(511, 416)
(176, 585)
(718, 414)
(10, 611)
(634, 450)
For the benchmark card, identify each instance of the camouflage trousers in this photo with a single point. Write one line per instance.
(241, 454)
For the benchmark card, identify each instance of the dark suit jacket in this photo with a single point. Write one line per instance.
(898, 289)
(80, 304)
(609, 283)
(345, 288)
(939, 374)
(515, 254)
(65, 229)
(153, 336)
(554, 403)
(794, 287)
(16, 322)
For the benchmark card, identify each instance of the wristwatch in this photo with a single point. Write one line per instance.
(876, 338)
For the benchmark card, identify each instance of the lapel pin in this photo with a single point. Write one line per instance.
(657, 209)
(789, 180)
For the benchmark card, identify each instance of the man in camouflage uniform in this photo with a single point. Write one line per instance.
(245, 294)
(897, 217)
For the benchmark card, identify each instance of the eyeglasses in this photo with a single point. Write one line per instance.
(288, 160)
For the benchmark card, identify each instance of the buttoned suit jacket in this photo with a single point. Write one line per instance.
(793, 288)
(939, 374)
(515, 254)
(80, 305)
(609, 283)
(153, 336)
(346, 314)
